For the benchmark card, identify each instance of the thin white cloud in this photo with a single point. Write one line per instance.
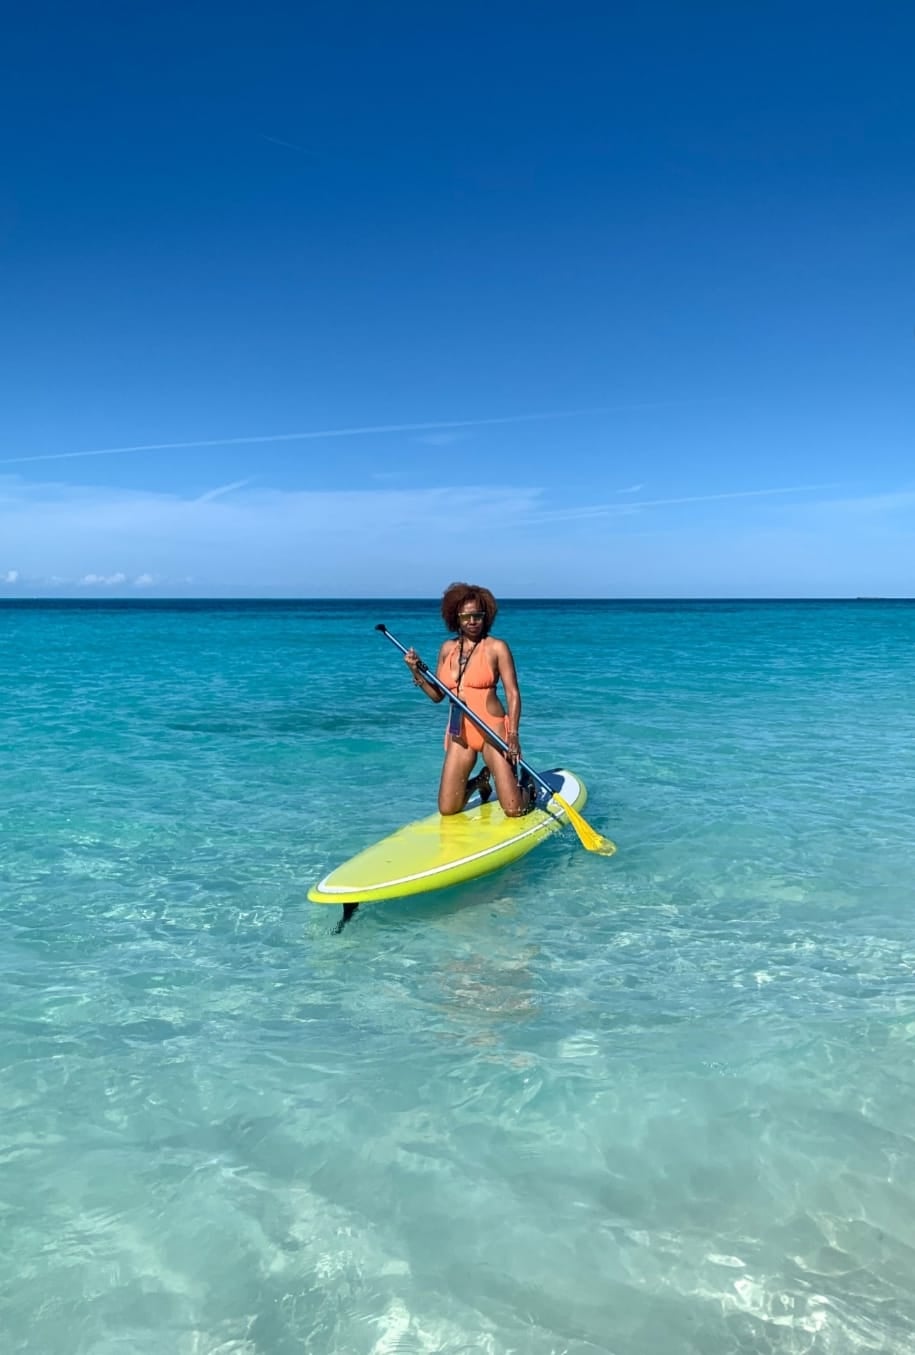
(107, 580)
(367, 430)
(730, 494)
(617, 510)
(890, 502)
(11, 576)
(221, 490)
(144, 581)
(630, 489)
(440, 439)
(290, 145)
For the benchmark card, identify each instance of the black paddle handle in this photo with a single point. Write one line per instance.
(480, 724)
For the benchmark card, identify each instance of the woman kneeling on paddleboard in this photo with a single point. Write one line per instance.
(471, 666)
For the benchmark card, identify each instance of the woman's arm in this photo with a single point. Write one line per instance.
(412, 660)
(506, 671)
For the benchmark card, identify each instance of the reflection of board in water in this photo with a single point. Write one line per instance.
(440, 851)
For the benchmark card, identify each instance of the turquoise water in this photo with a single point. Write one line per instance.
(662, 1103)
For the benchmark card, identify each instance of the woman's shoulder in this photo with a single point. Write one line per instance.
(495, 644)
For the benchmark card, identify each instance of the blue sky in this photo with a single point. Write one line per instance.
(352, 300)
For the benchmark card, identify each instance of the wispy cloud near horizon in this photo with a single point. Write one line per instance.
(402, 542)
(104, 536)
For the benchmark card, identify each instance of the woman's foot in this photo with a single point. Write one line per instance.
(482, 783)
(529, 790)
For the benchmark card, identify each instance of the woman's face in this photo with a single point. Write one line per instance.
(471, 617)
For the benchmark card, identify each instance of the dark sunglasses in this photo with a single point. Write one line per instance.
(471, 616)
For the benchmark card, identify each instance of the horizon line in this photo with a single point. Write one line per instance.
(145, 599)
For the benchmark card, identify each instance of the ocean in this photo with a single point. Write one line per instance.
(659, 1103)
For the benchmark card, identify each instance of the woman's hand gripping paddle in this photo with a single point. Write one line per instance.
(587, 836)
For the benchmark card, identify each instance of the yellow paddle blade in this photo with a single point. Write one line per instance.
(587, 835)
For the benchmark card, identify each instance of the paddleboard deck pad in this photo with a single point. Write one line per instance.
(444, 850)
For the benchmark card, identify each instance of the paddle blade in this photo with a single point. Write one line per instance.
(587, 836)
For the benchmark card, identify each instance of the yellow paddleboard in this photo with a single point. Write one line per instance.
(440, 851)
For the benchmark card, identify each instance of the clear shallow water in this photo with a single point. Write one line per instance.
(661, 1103)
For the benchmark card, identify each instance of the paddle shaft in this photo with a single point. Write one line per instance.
(471, 715)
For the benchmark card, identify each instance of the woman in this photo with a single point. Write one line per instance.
(471, 666)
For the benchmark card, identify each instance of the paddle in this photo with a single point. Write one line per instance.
(588, 836)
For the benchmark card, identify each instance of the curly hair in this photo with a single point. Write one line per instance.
(454, 597)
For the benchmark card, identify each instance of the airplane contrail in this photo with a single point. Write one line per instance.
(599, 510)
(314, 435)
(220, 490)
(731, 494)
(278, 141)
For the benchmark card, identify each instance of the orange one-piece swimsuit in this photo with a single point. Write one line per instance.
(471, 678)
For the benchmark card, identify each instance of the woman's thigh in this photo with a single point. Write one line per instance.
(452, 788)
(511, 797)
